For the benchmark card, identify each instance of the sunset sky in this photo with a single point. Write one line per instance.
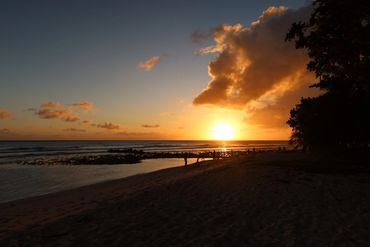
(149, 69)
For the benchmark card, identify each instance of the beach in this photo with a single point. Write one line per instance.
(262, 199)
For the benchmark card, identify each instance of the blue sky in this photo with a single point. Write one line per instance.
(70, 51)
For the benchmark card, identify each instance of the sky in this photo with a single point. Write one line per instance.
(149, 69)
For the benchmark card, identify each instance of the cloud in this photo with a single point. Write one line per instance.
(150, 126)
(275, 115)
(31, 109)
(74, 130)
(149, 64)
(199, 36)
(85, 105)
(5, 131)
(67, 114)
(255, 68)
(108, 126)
(270, 12)
(50, 104)
(5, 114)
(56, 110)
(86, 121)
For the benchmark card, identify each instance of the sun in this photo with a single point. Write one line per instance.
(223, 132)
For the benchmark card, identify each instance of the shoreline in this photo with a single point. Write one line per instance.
(261, 199)
(20, 186)
(107, 190)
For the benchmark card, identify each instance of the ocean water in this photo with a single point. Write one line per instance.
(21, 181)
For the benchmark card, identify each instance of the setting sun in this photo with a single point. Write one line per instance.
(223, 132)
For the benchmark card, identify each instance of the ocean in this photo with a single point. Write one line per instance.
(19, 181)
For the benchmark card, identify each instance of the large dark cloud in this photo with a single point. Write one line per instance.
(255, 68)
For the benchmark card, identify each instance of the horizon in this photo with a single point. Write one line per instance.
(138, 71)
(184, 123)
(141, 140)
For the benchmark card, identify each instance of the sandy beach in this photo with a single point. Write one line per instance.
(269, 199)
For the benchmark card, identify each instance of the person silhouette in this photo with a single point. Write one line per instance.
(186, 158)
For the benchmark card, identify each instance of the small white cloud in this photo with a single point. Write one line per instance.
(149, 64)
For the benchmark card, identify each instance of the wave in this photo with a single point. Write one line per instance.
(17, 150)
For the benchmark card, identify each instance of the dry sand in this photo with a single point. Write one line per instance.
(273, 199)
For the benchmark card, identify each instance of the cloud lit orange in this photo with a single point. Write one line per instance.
(5, 114)
(150, 125)
(255, 66)
(74, 130)
(108, 126)
(85, 105)
(149, 64)
(64, 114)
(51, 104)
(56, 110)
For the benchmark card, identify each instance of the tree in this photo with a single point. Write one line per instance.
(337, 39)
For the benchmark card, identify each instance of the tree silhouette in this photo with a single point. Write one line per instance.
(337, 39)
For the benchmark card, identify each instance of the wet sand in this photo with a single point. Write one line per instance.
(273, 199)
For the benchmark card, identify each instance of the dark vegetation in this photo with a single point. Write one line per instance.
(337, 39)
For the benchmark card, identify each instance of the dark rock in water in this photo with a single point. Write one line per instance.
(132, 156)
(87, 160)
(125, 150)
(106, 160)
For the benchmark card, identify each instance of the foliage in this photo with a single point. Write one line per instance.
(337, 39)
